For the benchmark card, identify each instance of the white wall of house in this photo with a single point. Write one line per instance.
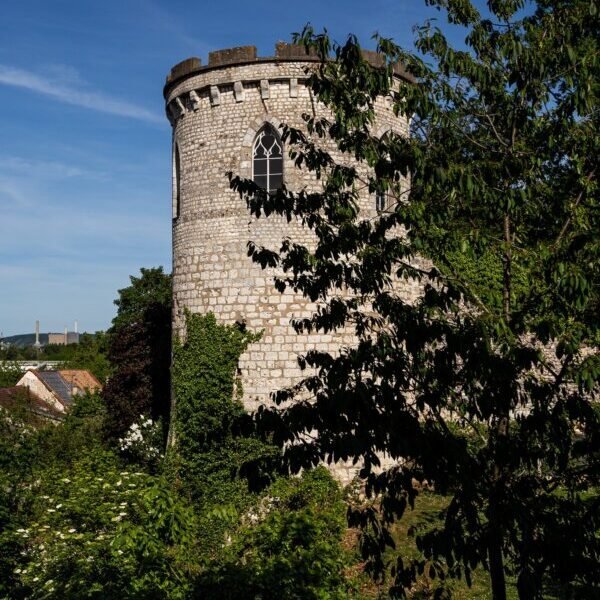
(37, 386)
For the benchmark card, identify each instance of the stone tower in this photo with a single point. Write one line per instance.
(225, 117)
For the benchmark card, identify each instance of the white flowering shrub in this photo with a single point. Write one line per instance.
(260, 510)
(17, 454)
(143, 442)
(102, 532)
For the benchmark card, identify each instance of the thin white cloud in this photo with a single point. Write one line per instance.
(166, 21)
(77, 97)
(48, 169)
(12, 191)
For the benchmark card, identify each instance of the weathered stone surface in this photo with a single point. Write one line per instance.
(211, 269)
(189, 65)
(231, 55)
(285, 50)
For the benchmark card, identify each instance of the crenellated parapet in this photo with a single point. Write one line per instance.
(233, 71)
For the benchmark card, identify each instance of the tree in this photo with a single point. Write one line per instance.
(90, 354)
(486, 385)
(139, 349)
(151, 291)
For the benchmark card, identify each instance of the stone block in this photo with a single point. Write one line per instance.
(185, 67)
(231, 56)
(286, 50)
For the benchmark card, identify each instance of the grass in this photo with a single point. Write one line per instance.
(424, 516)
(428, 506)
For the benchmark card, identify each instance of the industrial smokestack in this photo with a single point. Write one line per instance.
(66, 337)
(37, 334)
(76, 330)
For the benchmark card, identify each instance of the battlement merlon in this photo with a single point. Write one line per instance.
(247, 55)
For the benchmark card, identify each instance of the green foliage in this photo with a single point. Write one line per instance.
(206, 406)
(75, 522)
(418, 521)
(296, 551)
(18, 453)
(289, 547)
(503, 199)
(139, 350)
(10, 373)
(151, 289)
(33, 454)
(100, 532)
(79, 520)
(285, 544)
(483, 269)
(80, 433)
(13, 352)
(90, 354)
(143, 444)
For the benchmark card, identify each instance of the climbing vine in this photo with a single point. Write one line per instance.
(205, 451)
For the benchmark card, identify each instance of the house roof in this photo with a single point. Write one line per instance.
(16, 397)
(65, 384)
(81, 379)
(54, 381)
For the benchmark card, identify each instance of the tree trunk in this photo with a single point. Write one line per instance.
(496, 562)
(507, 265)
(495, 555)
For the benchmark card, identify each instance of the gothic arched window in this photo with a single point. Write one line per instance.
(176, 182)
(267, 159)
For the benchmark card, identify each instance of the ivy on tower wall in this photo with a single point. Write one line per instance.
(205, 451)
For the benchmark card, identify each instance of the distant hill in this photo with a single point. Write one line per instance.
(25, 339)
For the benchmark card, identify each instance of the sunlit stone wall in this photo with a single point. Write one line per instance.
(216, 112)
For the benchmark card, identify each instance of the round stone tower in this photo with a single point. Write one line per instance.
(225, 117)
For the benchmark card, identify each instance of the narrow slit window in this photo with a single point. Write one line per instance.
(267, 160)
(380, 201)
(381, 196)
(176, 182)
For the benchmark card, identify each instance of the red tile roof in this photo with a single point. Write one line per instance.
(81, 379)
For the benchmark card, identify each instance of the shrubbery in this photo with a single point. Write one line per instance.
(82, 517)
(10, 373)
(206, 452)
(288, 545)
(98, 531)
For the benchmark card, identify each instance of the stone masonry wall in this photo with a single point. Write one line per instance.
(216, 112)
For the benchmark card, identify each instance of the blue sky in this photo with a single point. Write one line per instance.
(85, 147)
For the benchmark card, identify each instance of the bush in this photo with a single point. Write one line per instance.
(80, 433)
(100, 532)
(143, 443)
(77, 523)
(289, 545)
(206, 452)
(10, 373)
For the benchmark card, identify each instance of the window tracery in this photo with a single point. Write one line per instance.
(267, 159)
(380, 201)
